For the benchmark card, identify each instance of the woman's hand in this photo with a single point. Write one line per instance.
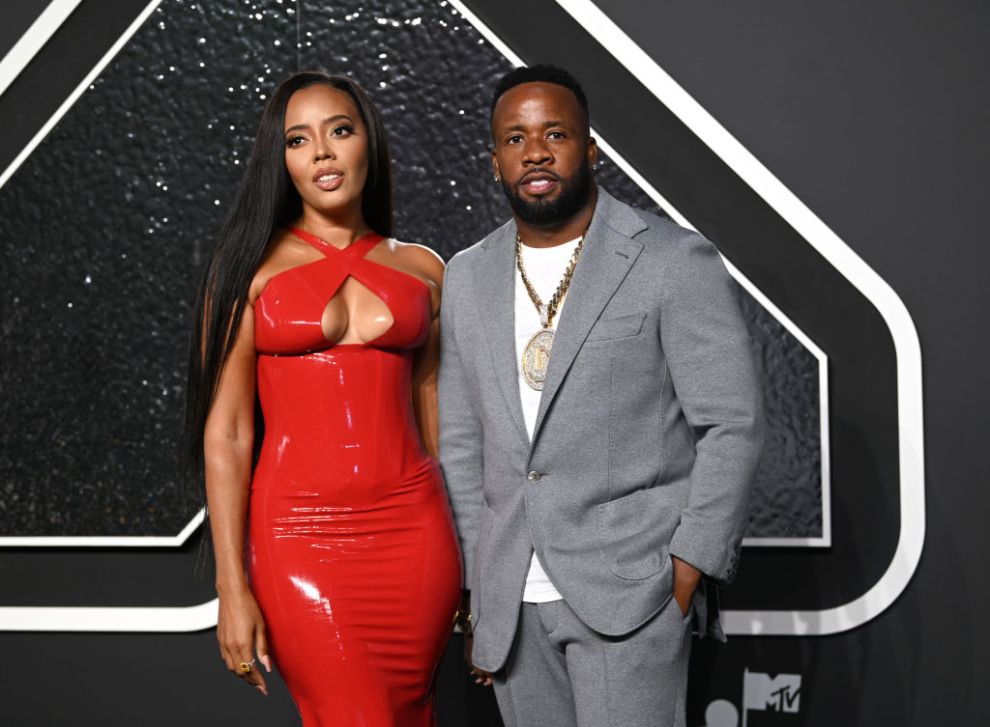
(241, 635)
(481, 676)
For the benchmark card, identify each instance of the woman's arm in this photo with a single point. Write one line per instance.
(425, 390)
(228, 442)
(427, 364)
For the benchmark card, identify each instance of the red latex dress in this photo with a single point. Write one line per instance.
(353, 555)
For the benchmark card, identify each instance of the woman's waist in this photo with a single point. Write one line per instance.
(283, 481)
(330, 387)
(319, 419)
(348, 359)
(359, 444)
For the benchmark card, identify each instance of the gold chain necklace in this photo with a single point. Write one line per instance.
(536, 356)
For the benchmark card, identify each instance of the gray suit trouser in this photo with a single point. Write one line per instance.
(560, 673)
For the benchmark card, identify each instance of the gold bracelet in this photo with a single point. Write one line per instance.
(462, 620)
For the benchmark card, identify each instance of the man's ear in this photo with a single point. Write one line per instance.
(592, 151)
(495, 168)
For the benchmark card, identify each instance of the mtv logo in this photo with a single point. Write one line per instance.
(780, 693)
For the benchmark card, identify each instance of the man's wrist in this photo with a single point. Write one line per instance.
(685, 573)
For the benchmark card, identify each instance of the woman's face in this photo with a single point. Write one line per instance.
(326, 149)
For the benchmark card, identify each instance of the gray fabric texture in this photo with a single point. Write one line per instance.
(647, 438)
(560, 673)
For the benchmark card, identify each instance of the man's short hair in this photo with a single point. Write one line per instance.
(540, 74)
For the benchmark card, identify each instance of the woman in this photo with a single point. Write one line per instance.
(352, 571)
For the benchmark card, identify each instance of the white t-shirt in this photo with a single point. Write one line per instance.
(545, 266)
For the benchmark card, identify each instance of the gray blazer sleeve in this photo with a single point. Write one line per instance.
(711, 366)
(461, 444)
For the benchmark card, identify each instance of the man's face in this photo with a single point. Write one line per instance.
(543, 154)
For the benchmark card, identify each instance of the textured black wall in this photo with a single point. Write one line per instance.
(95, 315)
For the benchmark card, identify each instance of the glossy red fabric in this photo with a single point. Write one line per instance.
(353, 556)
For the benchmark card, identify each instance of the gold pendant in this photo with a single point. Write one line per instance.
(536, 358)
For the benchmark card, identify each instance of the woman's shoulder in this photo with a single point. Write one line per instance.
(424, 259)
(284, 251)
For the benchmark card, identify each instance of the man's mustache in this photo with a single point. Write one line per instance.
(538, 172)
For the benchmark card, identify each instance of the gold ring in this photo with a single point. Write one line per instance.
(247, 666)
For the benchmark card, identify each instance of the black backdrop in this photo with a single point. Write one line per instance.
(866, 115)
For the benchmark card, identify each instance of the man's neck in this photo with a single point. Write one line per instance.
(559, 232)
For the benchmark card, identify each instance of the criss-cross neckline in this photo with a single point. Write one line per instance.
(319, 246)
(322, 245)
(351, 260)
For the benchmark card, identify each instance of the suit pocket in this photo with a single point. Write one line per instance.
(635, 533)
(608, 329)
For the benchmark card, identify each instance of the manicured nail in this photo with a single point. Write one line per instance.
(267, 661)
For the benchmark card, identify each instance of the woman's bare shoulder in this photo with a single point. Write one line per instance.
(285, 251)
(426, 261)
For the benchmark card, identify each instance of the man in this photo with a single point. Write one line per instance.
(600, 424)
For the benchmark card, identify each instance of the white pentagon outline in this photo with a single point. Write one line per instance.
(907, 347)
(203, 615)
(107, 541)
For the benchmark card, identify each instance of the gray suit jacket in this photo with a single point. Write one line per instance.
(647, 437)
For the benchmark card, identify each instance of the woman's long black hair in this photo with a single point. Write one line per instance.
(266, 201)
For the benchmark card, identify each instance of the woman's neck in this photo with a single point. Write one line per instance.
(339, 230)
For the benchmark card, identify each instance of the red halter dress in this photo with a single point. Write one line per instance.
(353, 555)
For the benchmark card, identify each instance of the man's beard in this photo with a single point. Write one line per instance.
(574, 194)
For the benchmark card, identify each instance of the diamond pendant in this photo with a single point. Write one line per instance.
(536, 358)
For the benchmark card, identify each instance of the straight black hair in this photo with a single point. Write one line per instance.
(265, 201)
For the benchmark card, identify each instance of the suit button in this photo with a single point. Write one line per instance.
(533, 477)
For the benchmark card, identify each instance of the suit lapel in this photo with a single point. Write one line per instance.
(495, 283)
(605, 261)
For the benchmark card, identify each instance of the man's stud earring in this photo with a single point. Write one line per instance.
(496, 178)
